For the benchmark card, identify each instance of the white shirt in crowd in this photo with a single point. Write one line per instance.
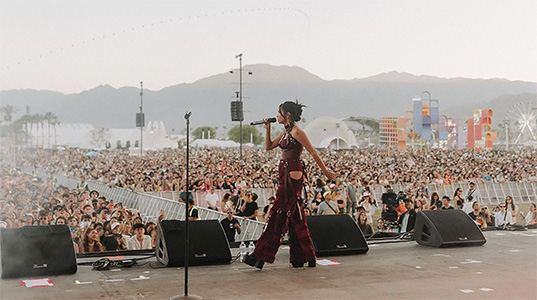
(404, 224)
(529, 217)
(467, 206)
(134, 244)
(212, 199)
(324, 208)
(503, 218)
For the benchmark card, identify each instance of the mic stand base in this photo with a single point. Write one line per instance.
(186, 297)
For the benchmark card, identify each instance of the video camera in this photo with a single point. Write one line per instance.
(390, 198)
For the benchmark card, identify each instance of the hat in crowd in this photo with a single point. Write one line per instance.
(366, 194)
(86, 217)
(138, 225)
(326, 194)
(114, 225)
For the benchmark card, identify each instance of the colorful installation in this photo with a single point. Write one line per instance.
(479, 129)
(393, 132)
(429, 128)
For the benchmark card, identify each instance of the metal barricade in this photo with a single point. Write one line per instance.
(150, 206)
(199, 196)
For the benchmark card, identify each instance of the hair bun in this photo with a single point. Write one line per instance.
(295, 108)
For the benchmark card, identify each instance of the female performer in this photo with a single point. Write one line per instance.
(286, 214)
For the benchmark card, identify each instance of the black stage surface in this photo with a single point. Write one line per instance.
(504, 268)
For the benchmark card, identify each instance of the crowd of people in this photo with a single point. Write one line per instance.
(164, 170)
(100, 224)
(96, 224)
(398, 211)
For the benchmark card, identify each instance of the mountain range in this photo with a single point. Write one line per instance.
(386, 94)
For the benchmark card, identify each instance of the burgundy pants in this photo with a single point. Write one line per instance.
(286, 215)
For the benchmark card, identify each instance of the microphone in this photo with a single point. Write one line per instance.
(269, 120)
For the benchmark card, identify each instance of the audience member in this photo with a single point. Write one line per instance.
(193, 214)
(212, 198)
(249, 207)
(475, 211)
(446, 203)
(511, 208)
(268, 207)
(503, 217)
(531, 216)
(231, 226)
(139, 240)
(472, 196)
(327, 207)
(364, 225)
(408, 219)
(90, 241)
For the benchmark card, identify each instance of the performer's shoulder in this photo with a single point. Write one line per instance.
(297, 130)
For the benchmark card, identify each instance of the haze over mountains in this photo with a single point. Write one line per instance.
(386, 94)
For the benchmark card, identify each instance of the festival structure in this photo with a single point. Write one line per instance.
(427, 127)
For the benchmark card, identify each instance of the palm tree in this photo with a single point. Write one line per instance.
(17, 130)
(51, 119)
(54, 122)
(42, 124)
(37, 120)
(7, 111)
(25, 120)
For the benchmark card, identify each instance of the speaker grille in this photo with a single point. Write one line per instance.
(236, 111)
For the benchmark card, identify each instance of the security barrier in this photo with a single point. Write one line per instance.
(492, 193)
(150, 206)
(199, 196)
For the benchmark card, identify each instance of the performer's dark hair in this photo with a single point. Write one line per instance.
(294, 108)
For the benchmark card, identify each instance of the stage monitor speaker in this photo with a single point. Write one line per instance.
(37, 251)
(208, 244)
(336, 235)
(447, 228)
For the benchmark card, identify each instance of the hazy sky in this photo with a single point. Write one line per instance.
(71, 46)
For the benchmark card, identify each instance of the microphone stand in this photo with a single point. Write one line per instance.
(187, 214)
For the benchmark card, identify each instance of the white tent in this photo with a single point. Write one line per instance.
(214, 143)
(80, 135)
(328, 132)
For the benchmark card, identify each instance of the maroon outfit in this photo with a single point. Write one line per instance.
(287, 212)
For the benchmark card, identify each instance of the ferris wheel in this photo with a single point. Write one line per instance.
(523, 120)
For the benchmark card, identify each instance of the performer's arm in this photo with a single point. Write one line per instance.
(302, 138)
(271, 144)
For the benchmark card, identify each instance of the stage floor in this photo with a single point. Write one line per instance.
(504, 268)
